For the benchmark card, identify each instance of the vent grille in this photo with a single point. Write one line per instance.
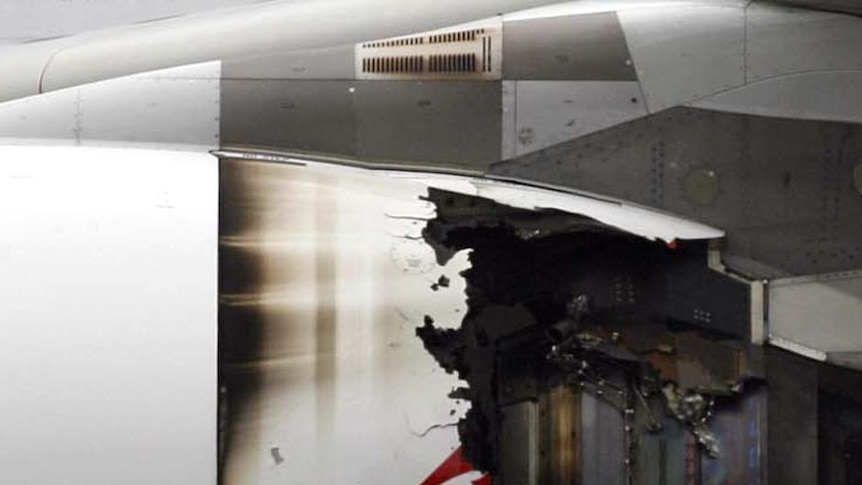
(466, 52)
(401, 64)
(452, 63)
(462, 36)
(486, 54)
(407, 41)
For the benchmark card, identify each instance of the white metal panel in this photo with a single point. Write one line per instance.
(51, 116)
(23, 65)
(683, 53)
(826, 95)
(170, 107)
(820, 313)
(176, 107)
(552, 112)
(372, 408)
(23, 20)
(108, 341)
(586, 7)
(784, 40)
(268, 27)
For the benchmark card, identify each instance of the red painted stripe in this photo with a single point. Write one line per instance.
(453, 466)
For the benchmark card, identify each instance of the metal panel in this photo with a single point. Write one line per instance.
(852, 360)
(821, 312)
(268, 26)
(783, 40)
(170, 107)
(470, 51)
(683, 53)
(576, 47)
(551, 112)
(709, 298)
(454, 122)
(791, 414)
(329, 63)
(302, 115)
(848, 6)
(318, 311)
(51, 18)
(519, 444)
(107, 347)
(834, 96)
(782, 189)
(661, 457)
(509, 136)
(740, 426)
(560, 444)
(50, 116)
(603, 443)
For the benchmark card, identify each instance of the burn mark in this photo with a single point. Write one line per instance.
(239, 272)
(275, 452)
(559, 300)
(326, 315)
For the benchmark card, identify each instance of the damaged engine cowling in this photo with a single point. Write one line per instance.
(559, 301)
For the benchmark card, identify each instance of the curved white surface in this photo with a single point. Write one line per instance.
(640, 221)
(108, 341)
(283, 25)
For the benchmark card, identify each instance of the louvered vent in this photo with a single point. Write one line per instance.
(452, 53)
(452, 63)
(406, 64)
(462, 36)
(395, 43)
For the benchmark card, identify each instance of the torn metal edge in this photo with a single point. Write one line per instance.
(638, 220)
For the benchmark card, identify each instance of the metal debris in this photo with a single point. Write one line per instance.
(693, 410)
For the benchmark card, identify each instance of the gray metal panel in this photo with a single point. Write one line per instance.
(852, 360)
(683, 53)
(833, 96)
(302, 115)
(661, 456)
(823, 313)
(848, 6)
(552, 112)
(519, 444)
(739, 424)
(782, 40)
(328, 63)
(603, 442)
(575, 47)
(791, 415)
(457, 122)
(784, 192)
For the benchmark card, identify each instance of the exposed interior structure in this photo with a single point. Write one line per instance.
(433, 242)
